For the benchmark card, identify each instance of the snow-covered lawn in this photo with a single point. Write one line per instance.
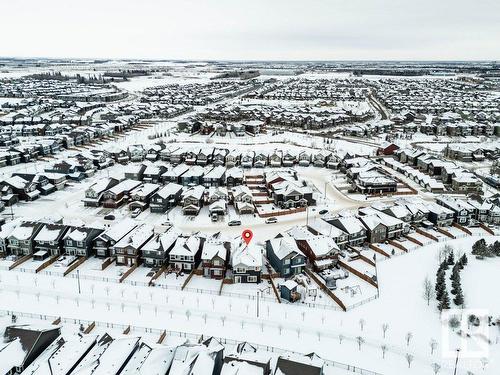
(283, 325)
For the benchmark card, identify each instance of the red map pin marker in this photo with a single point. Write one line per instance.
(247, 236)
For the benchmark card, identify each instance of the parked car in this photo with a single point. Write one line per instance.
(271, 220)
(214, 217)
(109, 217)
(234, 223)
(323, 212)
(136, 212)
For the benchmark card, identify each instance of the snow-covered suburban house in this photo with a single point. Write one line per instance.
(127, 250)
(135, 172)
(215, 177)
(193, 176)
(242, 199)
(205, 156)
(94, 193)
(116, 196)
(24, 189)
(214, 257)
(247, 264)
(174, 174)
(234, 177)
(153, 173)
(136, 153)
(292, 194)
(216, 193)
(80, 241)
(141, 195)
(186, 253)
(42, 183)
(232, 158)
(219, 156)
(304, 158)
(23, 344)
(321, 250)
(156, 251)
(192, 200)
(49, 239)
(20, 240)
(462, 210)
(321, 158)
(351, 225)
(247, 159)
(276, 158)
(104, 243)
(285, 256)
(439, 215)
(292, 363)
(167, 197)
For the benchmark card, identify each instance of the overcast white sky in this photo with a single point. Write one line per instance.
(252, 29)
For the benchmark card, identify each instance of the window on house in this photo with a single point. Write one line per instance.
(252, 279)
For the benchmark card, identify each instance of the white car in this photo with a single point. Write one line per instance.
(271, 220)
(136, 212)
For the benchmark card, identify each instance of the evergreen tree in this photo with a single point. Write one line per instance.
(455, 281)
(440, 285)
(444, 303)
(459, 297)
(464, 260)
(480, 249)
(451, 258)
(496, 248)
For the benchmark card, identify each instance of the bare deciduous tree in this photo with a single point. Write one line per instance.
(408, 338)
(428, 292)
(223, 320)
(341, 337)
(361, 323)
(360, 341)
(433, 344)
(205, 318)
(436, 367)
(384, 350)
(188, 314)
(409, 359)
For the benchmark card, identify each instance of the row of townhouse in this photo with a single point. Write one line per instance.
(132, 243)
(457, 178)
(112, 193)
(44, 239)
(367, 177)
(203, 156)
(35, 350)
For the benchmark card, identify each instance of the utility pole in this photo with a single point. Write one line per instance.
(78, 278)
(456, 363)
(257, 300)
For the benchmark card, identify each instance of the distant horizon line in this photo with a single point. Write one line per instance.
(127, 59)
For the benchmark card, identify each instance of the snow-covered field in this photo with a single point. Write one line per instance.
(331, 334)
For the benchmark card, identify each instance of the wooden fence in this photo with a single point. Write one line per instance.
(47, 263)
(107, 263)
(428, 235)
(75, 264)
(378, 250)
(462, 228)
(325, 289)
(128, 272)
(361, 275)
(20, 261)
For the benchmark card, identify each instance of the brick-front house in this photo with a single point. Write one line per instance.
(214, 258)
(128, 249)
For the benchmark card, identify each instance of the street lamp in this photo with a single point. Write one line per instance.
(456, 362)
